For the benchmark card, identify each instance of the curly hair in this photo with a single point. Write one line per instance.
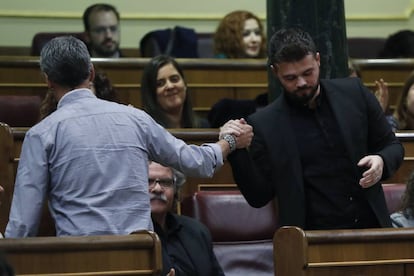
(228, 38)
(401, 111)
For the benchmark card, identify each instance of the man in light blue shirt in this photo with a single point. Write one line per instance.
(89, 158)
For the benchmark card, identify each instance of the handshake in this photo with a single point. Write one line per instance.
(237, 133)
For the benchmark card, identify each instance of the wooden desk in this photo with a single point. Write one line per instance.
(376, 252)
(393, 71)
(402, 174)
(135, 254)
(209, 80)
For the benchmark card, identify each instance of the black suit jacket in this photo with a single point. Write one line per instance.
(196, 239)
(271, 167)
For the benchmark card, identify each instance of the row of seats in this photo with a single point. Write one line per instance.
(240, 233)
(246, 241)
(243, 235)
(358, 47)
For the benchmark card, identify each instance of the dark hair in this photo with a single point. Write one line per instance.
(401, 111)
(399, 45)
(66, 61)
(291, 44)
(149, 93)
(228, 38)
(103, 87)
(103, 90)
(97, 7)
(407, 201)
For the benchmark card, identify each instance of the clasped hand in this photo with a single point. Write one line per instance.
(240, 129)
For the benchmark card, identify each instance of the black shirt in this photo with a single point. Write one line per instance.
(174, 254)
(334, 198)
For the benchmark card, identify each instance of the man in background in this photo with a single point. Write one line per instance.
(101, 23)
(186, 243)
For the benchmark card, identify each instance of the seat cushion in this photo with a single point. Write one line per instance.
(229, 217)
(393, 194)
(19, 111)
(245, 258)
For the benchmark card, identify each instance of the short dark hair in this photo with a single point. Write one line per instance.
(97, 7)
(66, 61)
(290, 44)
(399, 45)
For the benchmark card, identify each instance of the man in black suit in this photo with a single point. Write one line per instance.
(320, 149)
(187, 247)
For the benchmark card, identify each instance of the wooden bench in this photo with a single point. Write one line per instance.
(379, 252)
(135, 254)
(209, 80)
(393, 71)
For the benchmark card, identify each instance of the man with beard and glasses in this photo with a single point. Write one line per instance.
(101, 23)
(321, 149)
(187, 247)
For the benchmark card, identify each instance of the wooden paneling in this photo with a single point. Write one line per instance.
(371, 252)
(135, 254)
(393, 71)
(208, 80)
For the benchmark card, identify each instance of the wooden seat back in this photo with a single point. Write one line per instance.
(135, 254)
(379, 252)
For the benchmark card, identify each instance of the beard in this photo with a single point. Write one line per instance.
(105, 51)
(297, 98)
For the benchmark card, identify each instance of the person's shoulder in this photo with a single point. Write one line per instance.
(342, 81)
(190, 222)
(268, 110)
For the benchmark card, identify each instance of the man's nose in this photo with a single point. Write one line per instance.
(301, 82)
(156, 188)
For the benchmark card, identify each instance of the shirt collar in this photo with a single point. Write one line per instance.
(75, 94)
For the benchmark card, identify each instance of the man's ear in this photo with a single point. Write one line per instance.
(48, 82)
(274, 69)
(87, 37)
(92, 74)
(318, 58)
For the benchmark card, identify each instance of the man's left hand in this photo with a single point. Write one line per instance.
(373, 174)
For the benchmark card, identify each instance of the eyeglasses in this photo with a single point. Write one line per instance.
(164, 183)
(103, 29)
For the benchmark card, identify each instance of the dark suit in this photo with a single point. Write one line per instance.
(195, 238)
(272, 167)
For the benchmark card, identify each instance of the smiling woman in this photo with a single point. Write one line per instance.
(240, 34)
(165, 94)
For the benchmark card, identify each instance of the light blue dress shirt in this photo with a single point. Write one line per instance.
(90, 160)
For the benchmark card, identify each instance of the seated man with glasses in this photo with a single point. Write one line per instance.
(186, 243)
(101, 23)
